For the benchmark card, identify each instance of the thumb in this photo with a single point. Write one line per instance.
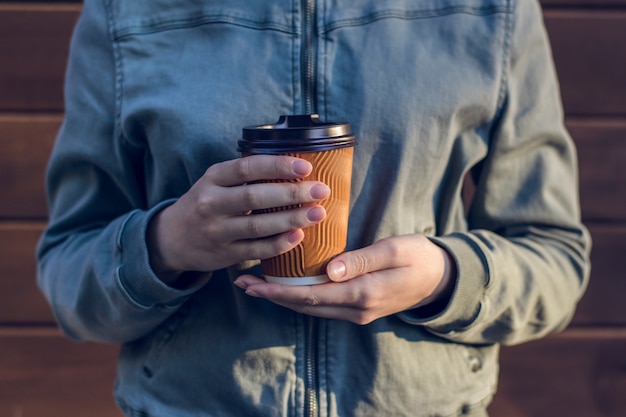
(349, 265)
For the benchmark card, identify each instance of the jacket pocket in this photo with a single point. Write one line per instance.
(160, 338)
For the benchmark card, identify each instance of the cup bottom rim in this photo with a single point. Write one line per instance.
(309, 280)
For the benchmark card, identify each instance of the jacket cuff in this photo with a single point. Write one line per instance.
(135, 275)
(472, 279)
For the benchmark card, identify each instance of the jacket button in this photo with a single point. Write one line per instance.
(475, 364)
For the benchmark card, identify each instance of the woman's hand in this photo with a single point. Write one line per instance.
(213, 226)
(390, 276)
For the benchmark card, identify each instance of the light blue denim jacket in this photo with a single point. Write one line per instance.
(436, 91)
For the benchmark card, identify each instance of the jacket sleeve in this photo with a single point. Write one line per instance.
(524, 264)
(93, 264)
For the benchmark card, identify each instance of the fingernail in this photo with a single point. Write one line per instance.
(239, 283)
(320, 191)
(316, 214)
(336, 270)
(252, 293)
(295, 237)
(301, 167)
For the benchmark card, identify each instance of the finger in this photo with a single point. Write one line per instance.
(258, 226)
(268, 195)
(268, 247)
(311, 300)
(256, 168)
(305, 297)
(384, 254)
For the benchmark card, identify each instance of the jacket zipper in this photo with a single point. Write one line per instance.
(311, 398)
(308, 56)
(308, 62)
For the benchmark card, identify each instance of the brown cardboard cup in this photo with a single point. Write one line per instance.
(329, 147)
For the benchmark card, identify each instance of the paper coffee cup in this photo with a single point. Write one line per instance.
(329, 147)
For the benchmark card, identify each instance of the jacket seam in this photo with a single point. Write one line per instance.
(506, 51)
(119, 80)
(205, 19)
(415, 15)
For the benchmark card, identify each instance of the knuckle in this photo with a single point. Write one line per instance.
(393, 248)
(368, 301)
(362, 318)
(311, 300)
(358, 264)
(250, 198)
(254, 227)
(252, 251)
(243, 168)
(205, 205)
(295, 192)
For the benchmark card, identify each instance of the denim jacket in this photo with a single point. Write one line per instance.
(437, 91)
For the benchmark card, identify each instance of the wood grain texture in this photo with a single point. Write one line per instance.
(34, 41)
(34, 44)
(25, 146)
(589, 50)
(43, 374)
(21, 302)
(603, 302)
(576, 374)
(602, 159)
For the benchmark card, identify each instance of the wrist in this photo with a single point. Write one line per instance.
(156, 251)
(438, 300)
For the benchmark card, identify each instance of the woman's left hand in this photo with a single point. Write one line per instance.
(392, 275)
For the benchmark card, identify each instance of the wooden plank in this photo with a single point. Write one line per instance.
(578, 376)
(26, 141)
(34, 43)
(589, 49)
(603, 302)
(602, 159)
(590, 4)
(590, 54)
(25, 146)
(46, 375)
(21, 302)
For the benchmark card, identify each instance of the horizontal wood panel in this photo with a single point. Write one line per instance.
(46, 375)
(602, 159)
(25, 146)
(34, 43)
(590, 4)
(590, 54)
(26, 142)
(603, 302)
(564, 376)
(575, 374)
(21, 301)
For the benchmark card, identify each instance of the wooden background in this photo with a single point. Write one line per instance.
(578, 373)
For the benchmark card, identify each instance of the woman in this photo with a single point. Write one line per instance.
(149, 243)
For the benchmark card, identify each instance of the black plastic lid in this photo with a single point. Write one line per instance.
(296, 133)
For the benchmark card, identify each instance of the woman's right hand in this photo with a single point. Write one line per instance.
(213, 225)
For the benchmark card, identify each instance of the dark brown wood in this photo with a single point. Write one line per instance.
(582, 4)
(25, 146)
(43, 374)
(34, 43)
(590, 53)
(21, 302)
(577, 374)
(602, 158)
(26, 141)
(603, 302)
